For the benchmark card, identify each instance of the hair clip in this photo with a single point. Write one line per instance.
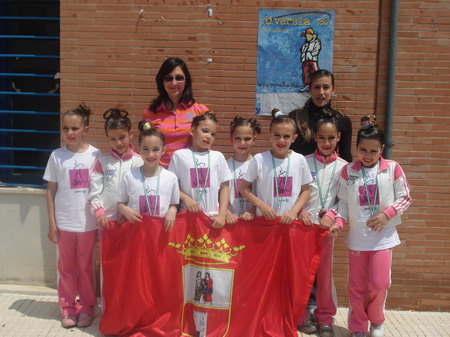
(146, 126)
(368, 121)
(326, 115)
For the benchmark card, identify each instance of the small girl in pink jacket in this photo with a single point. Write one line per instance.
(373, 193)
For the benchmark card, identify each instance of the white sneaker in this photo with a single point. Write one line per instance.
(376, 330)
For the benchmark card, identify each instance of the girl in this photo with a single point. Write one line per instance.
(282, 176)
(71, 225)
(149, 190)
(242, 134)
(206, 187)
(373, 194)
(325, 167)
(110, 168)
(321, 90)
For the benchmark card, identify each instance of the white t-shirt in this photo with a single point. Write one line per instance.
(238, 204)
(288, 184)
(202, 184)
(72, 173)
(131, 192)
(361, 237)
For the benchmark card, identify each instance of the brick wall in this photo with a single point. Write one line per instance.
(110, 55)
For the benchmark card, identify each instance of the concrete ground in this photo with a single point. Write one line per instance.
(27, 311)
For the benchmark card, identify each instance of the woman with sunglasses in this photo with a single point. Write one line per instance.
(175, 107)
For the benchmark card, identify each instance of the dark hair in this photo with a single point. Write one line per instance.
(320, 73)
(147, 130)
(208, 115)
(302, 115)
(166, 68)
(370, 130)
(116, 118)
(82, 110)
(250, 122)
(327, 117)
(283, 119)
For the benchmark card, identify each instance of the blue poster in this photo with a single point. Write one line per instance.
(292, 45)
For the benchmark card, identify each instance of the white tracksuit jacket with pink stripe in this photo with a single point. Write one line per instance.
(105, 178)
(327, 179)
(393, 193)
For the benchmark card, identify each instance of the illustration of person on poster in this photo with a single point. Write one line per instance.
(292, 45)
(310, 56)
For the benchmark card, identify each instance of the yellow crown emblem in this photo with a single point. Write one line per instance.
(204, 247)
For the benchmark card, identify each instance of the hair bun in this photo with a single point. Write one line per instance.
(276, 112)
(115, 113)
(144, 125)
(84, 109)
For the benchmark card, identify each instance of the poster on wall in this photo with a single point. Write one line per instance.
(292, 44)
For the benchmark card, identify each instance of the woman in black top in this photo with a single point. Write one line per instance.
(321, 90)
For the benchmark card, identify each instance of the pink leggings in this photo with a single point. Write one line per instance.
(369, 280)
(76, 272)
(326, 292)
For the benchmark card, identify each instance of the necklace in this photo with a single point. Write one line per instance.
(276, 177)
(323, 201)
(200, 191)
(372, 207)
(236, 187)
(155, 206)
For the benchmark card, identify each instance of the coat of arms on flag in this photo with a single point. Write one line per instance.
(207, 287)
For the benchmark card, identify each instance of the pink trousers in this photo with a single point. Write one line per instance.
(76, 272)
(369, 280)
(326, 299)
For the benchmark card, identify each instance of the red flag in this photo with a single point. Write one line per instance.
(248, 279)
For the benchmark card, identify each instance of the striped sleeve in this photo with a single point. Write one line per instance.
(402, 193)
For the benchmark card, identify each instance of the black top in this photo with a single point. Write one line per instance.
(344, 147)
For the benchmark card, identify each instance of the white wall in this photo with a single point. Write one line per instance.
(26, 255)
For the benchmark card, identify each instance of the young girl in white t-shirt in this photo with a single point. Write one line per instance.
(243, 133)
(282, 176)
(373, 193)
(71, 225)
(149, 190)
(110, 168)
(202, 173)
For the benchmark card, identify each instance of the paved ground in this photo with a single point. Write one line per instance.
(33, 312)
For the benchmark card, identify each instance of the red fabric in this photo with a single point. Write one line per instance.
(149, 287)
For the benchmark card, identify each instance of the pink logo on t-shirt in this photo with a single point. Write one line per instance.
(79, 178)
(143, 208)
(202, 172)
(284, 187)
(363, 196)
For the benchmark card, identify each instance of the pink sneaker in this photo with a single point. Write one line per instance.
(84, 320)
(68, 322)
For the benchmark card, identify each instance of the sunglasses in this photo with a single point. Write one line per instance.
(178, 78)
